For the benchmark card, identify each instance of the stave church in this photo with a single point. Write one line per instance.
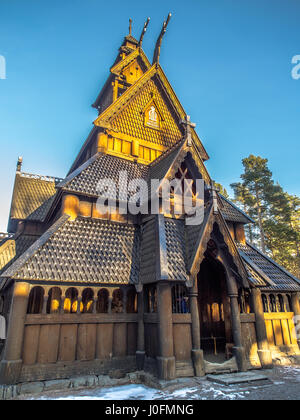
(88, 290)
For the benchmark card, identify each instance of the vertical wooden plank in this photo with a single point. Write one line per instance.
(277, 332)
(104, 342)
(48, 343)
(151, 340)
(31, 342)
(182, 346)
(132, 338)
(292, 330)
(86, 343)
(270, 333)
(67, 342)
(120, 340)
(285, 332)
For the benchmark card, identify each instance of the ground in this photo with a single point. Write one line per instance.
(283, 384)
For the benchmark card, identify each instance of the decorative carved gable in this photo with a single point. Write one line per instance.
(152, 121)
(133, 72)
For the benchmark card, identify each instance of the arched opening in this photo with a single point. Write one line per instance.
(87, 301)
(131, 306)
(102, 302)
(281, 306)
(71, 301)
(150, 297)
(273, 305)
(36, 300)
(117, 301)
(54, 298)
(244, 301)
(214, 311)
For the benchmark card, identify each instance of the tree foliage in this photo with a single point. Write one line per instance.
(276, 213)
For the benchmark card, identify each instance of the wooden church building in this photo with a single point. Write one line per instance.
(85, 291)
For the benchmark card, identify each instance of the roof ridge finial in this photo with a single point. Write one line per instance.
(19, 163)
(159, 40)
(130, 26)
(143, 31)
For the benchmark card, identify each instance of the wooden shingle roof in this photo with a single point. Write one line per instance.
(32, 197)
(273, 276)
(84, 250)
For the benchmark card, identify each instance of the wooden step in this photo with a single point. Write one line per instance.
(184, 369)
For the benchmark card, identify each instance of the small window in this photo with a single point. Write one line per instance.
(131, 306)
(54, 298)
(71, 301)
(117, 302)
(281, 306)
(180, 300)
(36, 300)
(102, 302)
(150, 294)
(87, 301)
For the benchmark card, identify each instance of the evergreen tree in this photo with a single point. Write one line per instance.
(222, 190)
(276, 213)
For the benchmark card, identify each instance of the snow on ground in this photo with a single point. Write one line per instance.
(283, 384)
(141, 392)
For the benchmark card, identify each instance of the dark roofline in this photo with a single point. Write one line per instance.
(258, 270)
(237, 208)
(78, 170)
(273, 262)
(11, 271)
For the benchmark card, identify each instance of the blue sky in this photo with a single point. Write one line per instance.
(229, 62)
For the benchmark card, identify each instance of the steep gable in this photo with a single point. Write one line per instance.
(127, 116)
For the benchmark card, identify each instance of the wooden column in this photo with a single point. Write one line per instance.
(265, 356)
(238, 349)
(62, 303)
(296, 310)
(165, 360)
(10, 366)
(197, 353)
(140, 352)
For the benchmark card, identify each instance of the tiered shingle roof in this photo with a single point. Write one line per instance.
(265, 273)
(32, 198)
(85, 250)
(232, 213)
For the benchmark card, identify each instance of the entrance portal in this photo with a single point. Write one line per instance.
(214, 311)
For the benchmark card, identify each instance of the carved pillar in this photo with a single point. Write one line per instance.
(62, 302)
(124, 300)
(165, 360)
(263, 351)
(286, 303)
(79, 300)
(45, 301)
(238, 349)
(296, 309)
(140, 353)
(110, 298)
(94, 309)
(10, 366)
(197, 353)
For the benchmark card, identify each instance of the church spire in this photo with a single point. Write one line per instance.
(159, 40)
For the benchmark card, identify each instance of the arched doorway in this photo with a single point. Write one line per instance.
(214, 311)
